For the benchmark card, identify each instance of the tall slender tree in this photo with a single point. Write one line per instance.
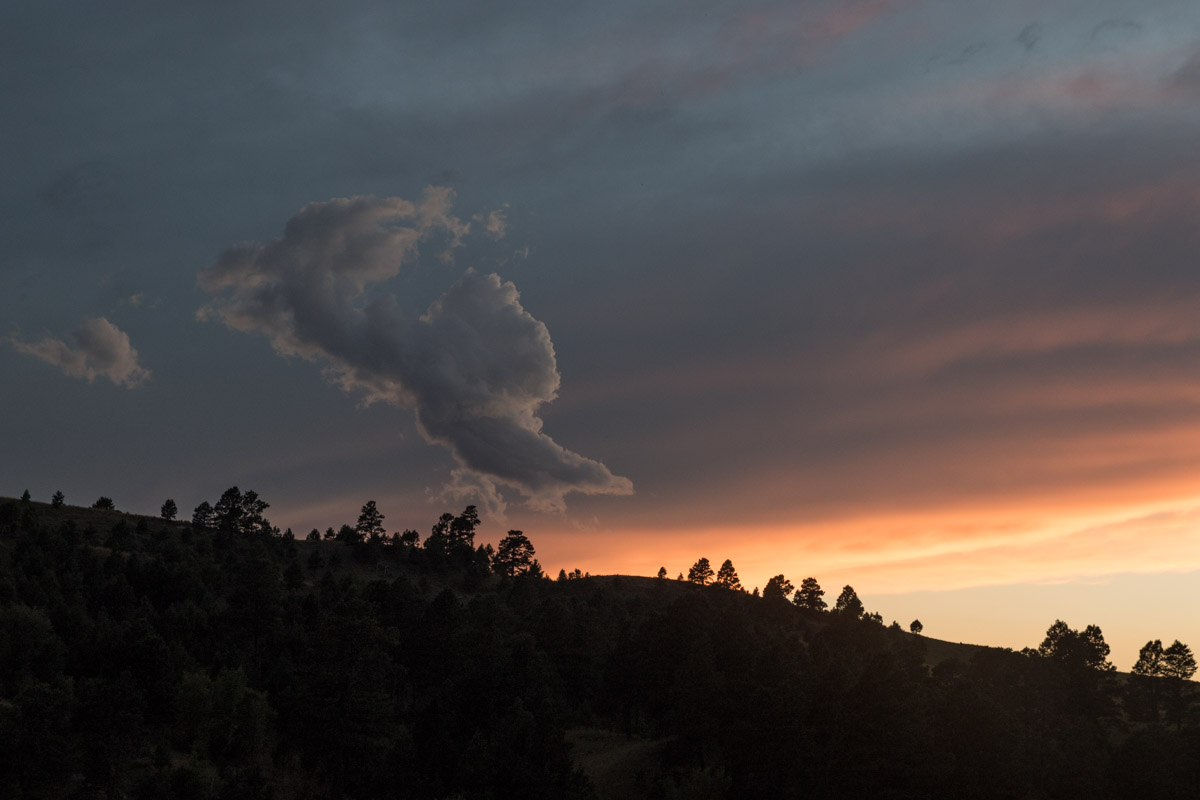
(809, 595)
(727, 577)
(370, 523)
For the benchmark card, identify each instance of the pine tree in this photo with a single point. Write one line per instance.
(848, 603)
(809, 595)
(370, 523)
(662, 572)
(169, 510)
(514, 555)
(57, 500)
(203, 516)
(778, 588)
(701, 572)
(1150, 659)
(1178, 661)
(727, 576)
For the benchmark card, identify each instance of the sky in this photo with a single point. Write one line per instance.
(901, 295)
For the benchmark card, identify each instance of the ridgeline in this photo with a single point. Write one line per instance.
(148, 658)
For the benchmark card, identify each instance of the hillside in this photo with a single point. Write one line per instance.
(153, 659)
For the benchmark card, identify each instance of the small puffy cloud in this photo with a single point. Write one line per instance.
(497, 224)
(476, 366)
(96, 348)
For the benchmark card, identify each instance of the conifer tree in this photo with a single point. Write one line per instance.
(514, 555)
(1149, 661)
(370, 523)
(701, 572)
(1178, 661)
(809, 595)
(777, 588)
(848, 603)
(203, 516)
(727, 576)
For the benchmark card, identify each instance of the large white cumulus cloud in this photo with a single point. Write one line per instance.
(476, 366)
(97, 348)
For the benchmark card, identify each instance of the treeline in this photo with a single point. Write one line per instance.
(159, 659)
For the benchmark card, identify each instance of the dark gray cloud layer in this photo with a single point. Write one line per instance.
(476, 366)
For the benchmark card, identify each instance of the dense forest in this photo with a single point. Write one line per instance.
(220, 658)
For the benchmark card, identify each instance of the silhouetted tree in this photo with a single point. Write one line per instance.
(313, 536)
(1178, 661)
(915, 626)
(662, 572)
(438, 540)
(410, 538)
(203, 517)
(848, 603)
(727, 577)
(700, 572)
(1150, 659)
(562, 575)
(169, 510)
(462, 529)
(370, 523)
(26, 498)
(778, 588)
(104, 503)
(57, 500)
(809, 595)
(1085, 648)
(514, 555)
(228, 510)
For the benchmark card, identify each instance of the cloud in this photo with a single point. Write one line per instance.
(96, 348)
(466, 486)
(476, 366)
(497, 224)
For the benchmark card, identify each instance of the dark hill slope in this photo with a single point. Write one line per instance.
(141, 658)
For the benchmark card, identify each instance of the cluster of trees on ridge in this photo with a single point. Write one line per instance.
(159, 659)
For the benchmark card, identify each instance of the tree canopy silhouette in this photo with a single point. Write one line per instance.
(700, 572)
(1085, 648)
(514, 555)
(848, 604)
(777, 588)
(370, 523)
(727, 577)
(809, 595)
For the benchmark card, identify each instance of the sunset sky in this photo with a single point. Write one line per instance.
(897, 294)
